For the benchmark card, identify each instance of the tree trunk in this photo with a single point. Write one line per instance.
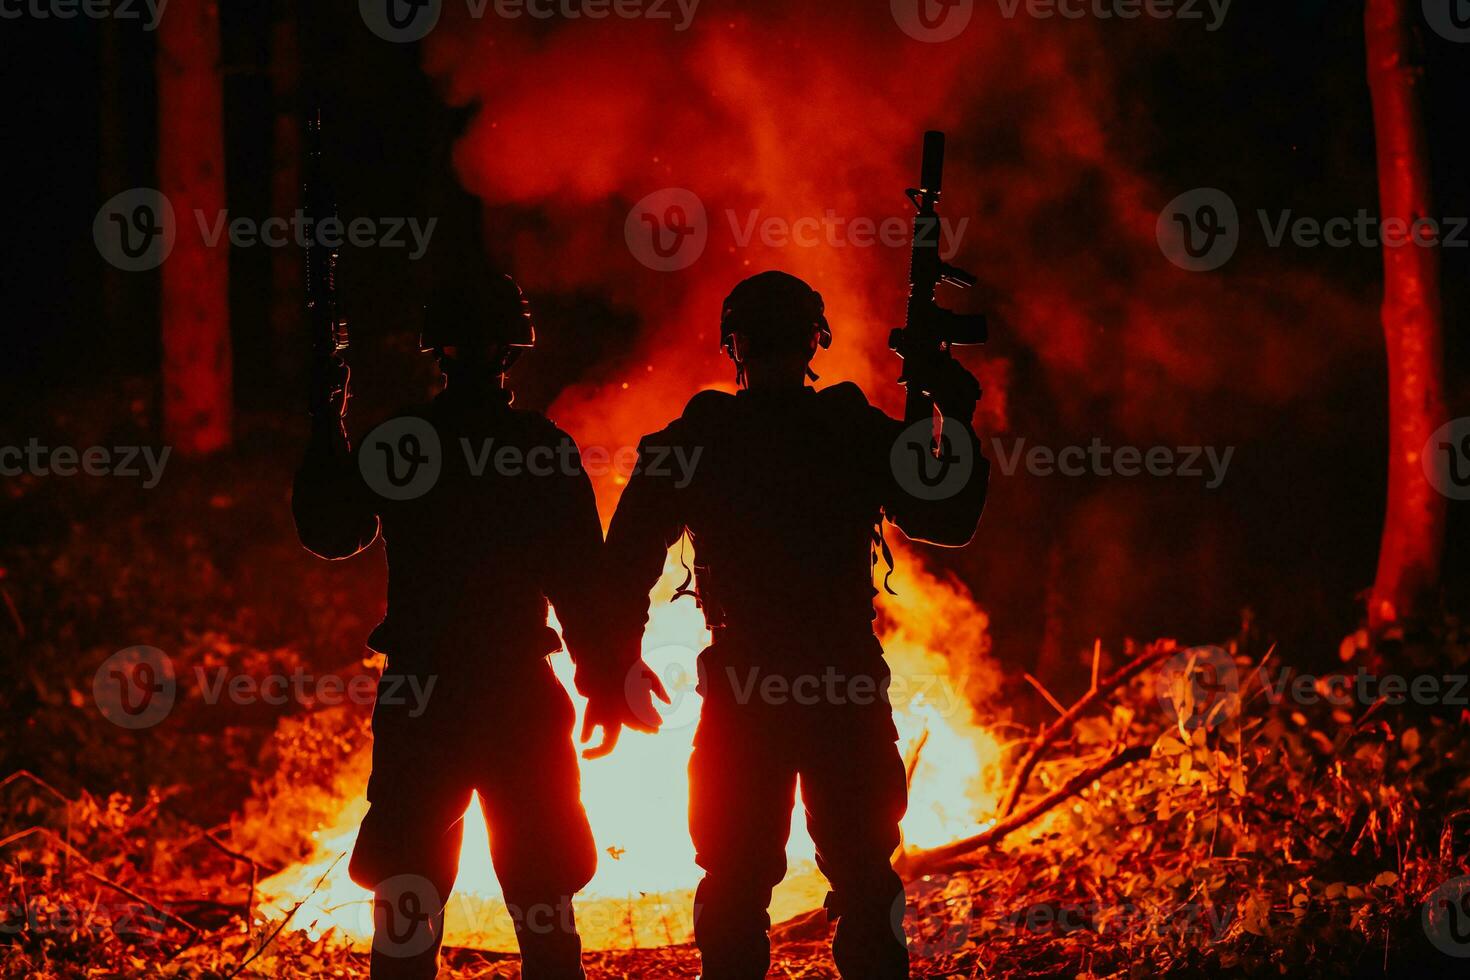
(194, 304)
(118, 310)
(1413, 527)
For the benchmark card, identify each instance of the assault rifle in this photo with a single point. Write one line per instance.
(330, 375)
(929, 330)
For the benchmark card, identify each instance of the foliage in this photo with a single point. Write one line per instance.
(1279, 839)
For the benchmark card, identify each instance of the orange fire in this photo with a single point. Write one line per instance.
(828, 127)
(637, 798)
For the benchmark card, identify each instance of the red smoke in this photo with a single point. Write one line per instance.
(799, 109)
(793, 109)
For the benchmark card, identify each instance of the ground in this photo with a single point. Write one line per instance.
(1275, 838)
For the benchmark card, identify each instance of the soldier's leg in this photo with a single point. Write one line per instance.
(407, 854)
(540, 840)
(407, 850)
(742, 788)
(855, 789)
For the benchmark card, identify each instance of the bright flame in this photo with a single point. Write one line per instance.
(637, 798)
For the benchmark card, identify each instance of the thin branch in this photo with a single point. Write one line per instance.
(244, 859)
(927, 862)
(44, 832)
(192, 929)
(1041, 689)
(1049, 734)
(31, 777)
(294, 909)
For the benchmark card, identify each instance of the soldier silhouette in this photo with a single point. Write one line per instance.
(486, 513)
(785, 510)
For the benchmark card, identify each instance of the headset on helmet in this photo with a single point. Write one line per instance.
(769, 303)
(485, 309)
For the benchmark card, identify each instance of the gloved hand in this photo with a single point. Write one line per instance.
(956, 391)
(632, 707)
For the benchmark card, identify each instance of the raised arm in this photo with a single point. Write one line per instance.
(939, 501)
(336, 514)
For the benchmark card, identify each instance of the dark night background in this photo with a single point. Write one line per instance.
(1274, 108)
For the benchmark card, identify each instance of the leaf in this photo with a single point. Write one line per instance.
(1169, 745)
